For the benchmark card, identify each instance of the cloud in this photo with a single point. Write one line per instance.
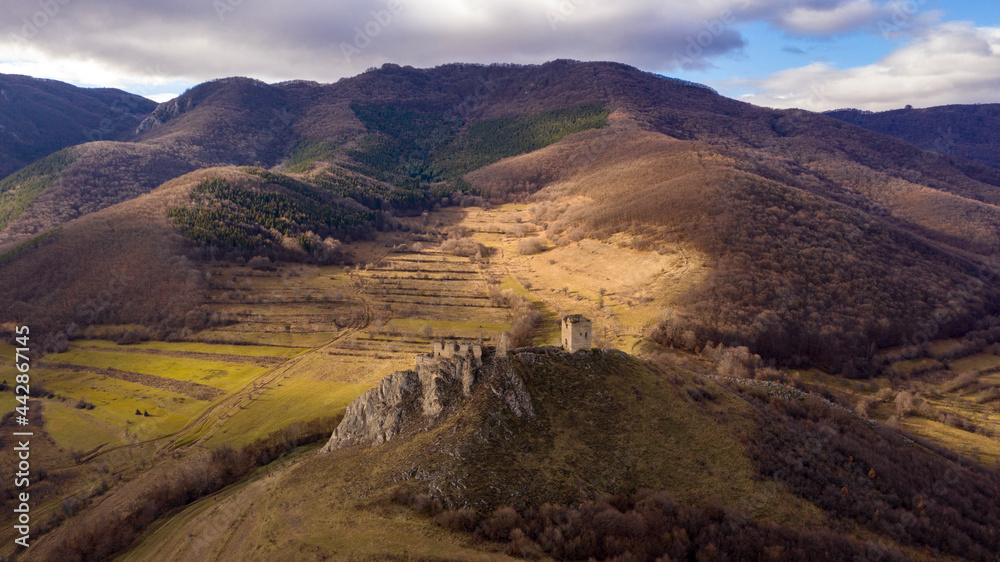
(792, 50)
(196, 40)
(831, 18)
(945, 64)
(152, 48)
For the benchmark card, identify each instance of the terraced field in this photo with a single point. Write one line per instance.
(379, 317)
(292, 345)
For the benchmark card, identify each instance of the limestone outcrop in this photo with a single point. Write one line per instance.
(418, 399)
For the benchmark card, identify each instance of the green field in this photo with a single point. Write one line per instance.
(8, 402)
(116, 402)
(979, 362)
(7, 352)
(224, 376)
(281, 406)
(985, 449)
(907, 367)
(77, 430)
(194, 347)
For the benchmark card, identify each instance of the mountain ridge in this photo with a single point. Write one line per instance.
(396, 139)
(39, 117)
(965, 130)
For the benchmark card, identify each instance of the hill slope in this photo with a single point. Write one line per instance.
(814, 228)
(733, 469)
(39, 117)
(968, 131)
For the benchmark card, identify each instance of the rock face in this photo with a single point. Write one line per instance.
(377, 415)
(417, 399)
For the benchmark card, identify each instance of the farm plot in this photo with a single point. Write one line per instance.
(90, 410)
(293, 300)
(201, 348)
(424, 295)
(409, 299)
(170, 370)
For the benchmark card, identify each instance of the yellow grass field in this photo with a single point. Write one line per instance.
(193, 347)
(116, 402)
(225, 376)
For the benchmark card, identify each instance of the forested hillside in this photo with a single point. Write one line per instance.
(39, 117)
(968, 131)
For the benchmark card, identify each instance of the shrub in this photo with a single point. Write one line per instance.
(261, 263)
(460, 520)
(498, 526)
(464, 247)
(650, 525)
(531, 246)
(82, 404)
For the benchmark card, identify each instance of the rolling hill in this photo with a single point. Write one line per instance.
(791, 207)
(604, 457)
(967, 131)
(211, 291)
(39, 117)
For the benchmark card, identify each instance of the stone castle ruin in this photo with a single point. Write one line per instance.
(417, 399)
(453, 371)
(449, 349)
(577, 333)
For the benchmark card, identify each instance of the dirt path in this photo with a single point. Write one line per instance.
(216, 414)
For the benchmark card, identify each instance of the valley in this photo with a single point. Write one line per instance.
(303, 341)
(795, 327)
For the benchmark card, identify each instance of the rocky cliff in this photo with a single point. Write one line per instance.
(417, 399)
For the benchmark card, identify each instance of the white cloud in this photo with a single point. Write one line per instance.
(153, 46)
(195, 40)
(831, 20)
(944, 64)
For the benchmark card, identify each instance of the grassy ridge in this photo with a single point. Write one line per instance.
(604, 422)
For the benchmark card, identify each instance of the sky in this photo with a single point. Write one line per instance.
(811, 54)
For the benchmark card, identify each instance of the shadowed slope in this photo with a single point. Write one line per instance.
(38, 117)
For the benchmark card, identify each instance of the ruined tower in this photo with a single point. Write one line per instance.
(577, 332)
